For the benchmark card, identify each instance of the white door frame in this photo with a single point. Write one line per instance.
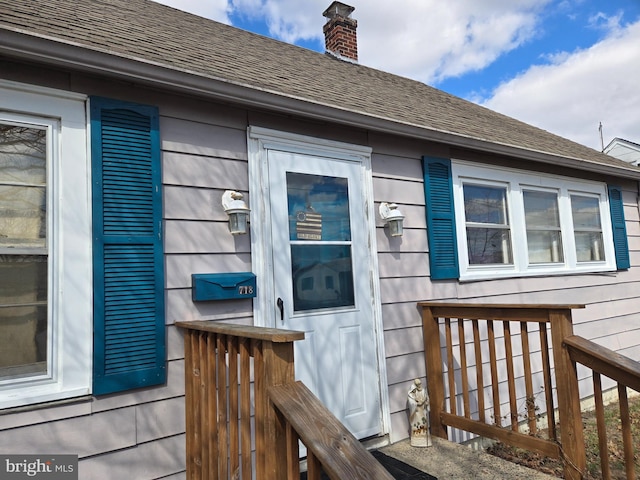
(259, 140)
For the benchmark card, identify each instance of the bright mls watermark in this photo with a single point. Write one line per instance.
(51, 467)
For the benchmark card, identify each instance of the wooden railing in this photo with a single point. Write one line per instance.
(330, 447)
(626, 373)
(480, 322)
(475, 326)
(219, 387)
(227, 367)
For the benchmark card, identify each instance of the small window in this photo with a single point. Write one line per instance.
(587, 228)
(487, 224)
(544, 235)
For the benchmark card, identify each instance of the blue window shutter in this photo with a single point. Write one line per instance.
(619, 229)
(129, 326)
(441, 222)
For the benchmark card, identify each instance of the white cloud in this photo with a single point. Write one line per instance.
(571, 96)
(606, 22)
(430, 40)
(287, 20)
(214, 9)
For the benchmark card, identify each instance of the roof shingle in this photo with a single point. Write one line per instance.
(156, 34)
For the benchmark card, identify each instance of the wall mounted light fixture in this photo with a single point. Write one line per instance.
(237, 210)
(393, 217)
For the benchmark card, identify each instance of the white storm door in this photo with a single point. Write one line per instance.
(322, 282)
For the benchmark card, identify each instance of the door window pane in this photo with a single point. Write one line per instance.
(318, 207)
(544, 240)
(587, 228)
(322, 276)
(487, 223)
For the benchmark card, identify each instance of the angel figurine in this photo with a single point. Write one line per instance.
(418, 402)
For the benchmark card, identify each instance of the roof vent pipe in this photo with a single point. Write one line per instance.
(340, 32)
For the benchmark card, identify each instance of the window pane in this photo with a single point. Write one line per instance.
(23, 315)
(589, 246)
(541, 209)
(318, 207)
(23, 221)
(544, 247)
(487, 205)
(484, 204)
(587, 228)
(23, 341)
(489, 246)
(586, 212)
(322, 276)
(22, 186)
(23, 155)
(23, 279)
(544, 241)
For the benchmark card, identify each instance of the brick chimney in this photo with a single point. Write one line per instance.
(340, 32)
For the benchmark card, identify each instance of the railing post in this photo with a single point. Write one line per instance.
(279, 370)
(571, 432)
(193, 406)
(433, 366)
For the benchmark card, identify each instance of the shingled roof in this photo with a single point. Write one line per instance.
(132, 38)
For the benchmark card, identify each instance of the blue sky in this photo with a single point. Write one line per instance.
(560, 30)
(562, 65)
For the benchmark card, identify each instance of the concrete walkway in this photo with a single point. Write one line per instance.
(448, 460)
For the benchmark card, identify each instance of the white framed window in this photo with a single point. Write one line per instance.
(487, 224)
(542, 222)
(515, 223)
(45, 246)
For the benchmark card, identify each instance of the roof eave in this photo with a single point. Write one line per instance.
(56, 53)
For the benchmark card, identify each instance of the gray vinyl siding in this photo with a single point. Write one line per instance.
(403, 269)
(140, 434)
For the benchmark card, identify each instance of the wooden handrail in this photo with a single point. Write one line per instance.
(604, 361)
(274, 335)
(496, 311)
(330, 446)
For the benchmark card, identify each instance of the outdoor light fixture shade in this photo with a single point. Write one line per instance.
(237, 211)
(393, 217)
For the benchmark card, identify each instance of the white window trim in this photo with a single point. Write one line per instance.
(516, 181)
(69, 242)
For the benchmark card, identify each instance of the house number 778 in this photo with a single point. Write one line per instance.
(245, 289)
